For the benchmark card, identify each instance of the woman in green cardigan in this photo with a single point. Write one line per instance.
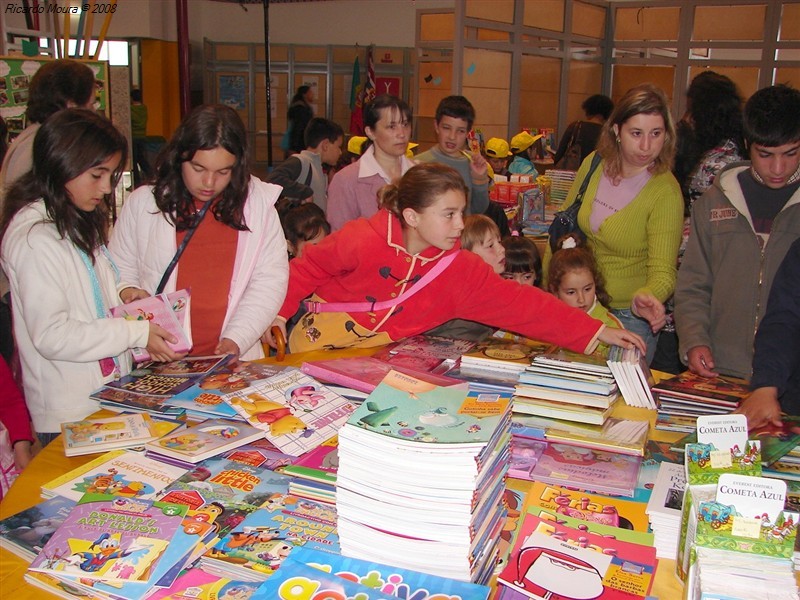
(632, 212)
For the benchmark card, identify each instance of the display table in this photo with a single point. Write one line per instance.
(51, 462)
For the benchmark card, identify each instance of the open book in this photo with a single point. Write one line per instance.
(170, 311)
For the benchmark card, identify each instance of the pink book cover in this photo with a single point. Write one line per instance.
(319, 464)
(364, 373)
(199, 585)
(170, 311)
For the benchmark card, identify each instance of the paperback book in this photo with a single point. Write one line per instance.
(632, 375)
(562, 410)
(424, 353)
(568, 360)
(93, 436)
(624, 436)
(204, 440)
(25, 533)
(199, 585)
(121, 473)
(503, 355)
(110, 538)
(721, 390)
(170, 311)
(296, 412)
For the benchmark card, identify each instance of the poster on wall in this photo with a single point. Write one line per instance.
(387, 85)
(15, 78)
(232, 91)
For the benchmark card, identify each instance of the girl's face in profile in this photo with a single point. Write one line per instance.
(208, 173)
(492, 251)
(576, 288)
(439, 225)
(90, 188)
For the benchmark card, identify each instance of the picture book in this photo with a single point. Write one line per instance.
(364, 373)
(633, 376)
(299, 581)
(122, 473)
(170, 311)
(411, 410)
(25, 533)
(266, 537)
(205, 395)
(147, 382)
(572, 361)
(119, 400)
(205, 439)
(199, 585)
(667, 496)
(296, 412)
(607, 510)
(93, 436)
(625, 436)
(553, 560)
(575, 466)
(565, 396)
(426, 353)
(394, 582)
(722, 389)
(562, 410)
(503, 355)
(319, 464)
(110, 538)
(618, 533)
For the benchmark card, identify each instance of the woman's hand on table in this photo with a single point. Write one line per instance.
(651, 309)
(761, 408)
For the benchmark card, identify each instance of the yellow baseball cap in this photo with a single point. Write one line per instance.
(497, 148)
(410, 149)
(354, 144)
(523, 141)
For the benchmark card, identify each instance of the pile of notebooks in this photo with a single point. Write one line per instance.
(421, 478)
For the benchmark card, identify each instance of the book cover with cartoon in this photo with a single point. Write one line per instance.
(25, 533)
(296, 412)
(110, 538)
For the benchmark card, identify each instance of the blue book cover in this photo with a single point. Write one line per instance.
(298, 581)
(25, 533)
(392, 581)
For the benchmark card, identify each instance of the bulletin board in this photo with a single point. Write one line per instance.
(15, 77)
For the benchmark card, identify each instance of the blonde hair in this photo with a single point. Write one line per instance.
(643, 99)
(476, 228)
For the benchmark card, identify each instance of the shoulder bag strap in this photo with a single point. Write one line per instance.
(320, 307)
(173, 263)
(585, 183)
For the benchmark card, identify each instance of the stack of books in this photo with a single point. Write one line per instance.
(664, 508)
(95, 436)
(26, 532)
(682, 398)
(420, 479)
(633, 376)
(314, 473)
(560, 183)
(497, 355)
(566, 385)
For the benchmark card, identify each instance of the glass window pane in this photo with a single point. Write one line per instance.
(651, 23)
(722, 23)
(435, 27)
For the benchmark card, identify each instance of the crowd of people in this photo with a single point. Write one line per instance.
(394, 245)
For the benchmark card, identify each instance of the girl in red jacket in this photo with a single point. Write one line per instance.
(402, 272)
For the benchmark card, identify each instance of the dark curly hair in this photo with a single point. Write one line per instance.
(715, 106)
(57, 85)
(207, 127)
(68, 144)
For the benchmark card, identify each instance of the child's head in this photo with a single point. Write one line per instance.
(355, 146)
(574, 276)
(523, 263)
(302, 224)
(59, 84)
(482, 237)
(78, 157)
(454, 118)
(207, 157)
(429, 200)
(522, 143)
(325, 137)
(497, 152)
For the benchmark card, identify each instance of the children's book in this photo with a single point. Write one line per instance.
(119, 400)
(425, 353)
(26, 532)
(625, 436)
(205, 439)
(552, 560)
(562, 410)
(391, 581)
(199, 585)
(632, 375)
(145, 382)
(205, 396)
(296, 412)
(722, 390)
(414, 411)
(364, 373)
(319, 464)
(122, 473)
(503, 355)
(667, 497)
(572, 361)
(110, 538)
(259, 545)
(618, 533)
(170, 311)
(575, 466)
(608, 510)
(297, 581)
(93, 436)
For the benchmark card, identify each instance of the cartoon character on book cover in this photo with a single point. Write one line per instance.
(112, 481)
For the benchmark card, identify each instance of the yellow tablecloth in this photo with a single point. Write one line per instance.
(51, 462)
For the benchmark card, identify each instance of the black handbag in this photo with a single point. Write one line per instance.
(566, 221)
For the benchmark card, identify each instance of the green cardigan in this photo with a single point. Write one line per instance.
(637, 247)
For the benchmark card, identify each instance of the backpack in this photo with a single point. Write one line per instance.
(571, 161)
